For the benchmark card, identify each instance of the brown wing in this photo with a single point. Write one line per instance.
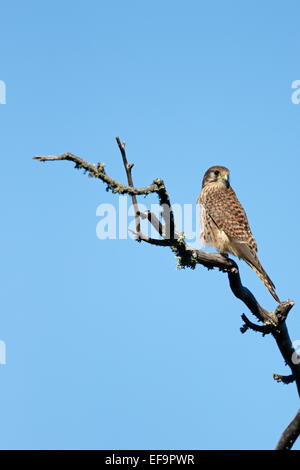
(228, 214)
(225, 210)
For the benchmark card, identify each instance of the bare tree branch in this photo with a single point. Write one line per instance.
(290, 434)
(154, 221)
(98, 171)
(128, 169)
(264, 329)
(187, 257)
(152, 241)
(285, 379)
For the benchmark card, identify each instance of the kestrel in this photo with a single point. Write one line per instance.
(224, 222)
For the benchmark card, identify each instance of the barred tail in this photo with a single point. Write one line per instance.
(244, 251)
(265, 279)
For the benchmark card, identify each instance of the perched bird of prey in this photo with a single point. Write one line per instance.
(224, 222)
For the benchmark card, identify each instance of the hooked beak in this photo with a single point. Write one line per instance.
(226, 180)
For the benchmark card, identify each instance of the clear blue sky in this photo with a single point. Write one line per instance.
(108, 345)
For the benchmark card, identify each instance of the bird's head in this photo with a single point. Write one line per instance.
(216, 174)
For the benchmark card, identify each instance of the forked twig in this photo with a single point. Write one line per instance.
(128, 168)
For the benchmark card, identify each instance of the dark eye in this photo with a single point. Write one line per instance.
(217, 172)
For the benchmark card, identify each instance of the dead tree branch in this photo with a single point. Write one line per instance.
(187, 257)
(128, 168)
(285, 379)
(290, 434)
